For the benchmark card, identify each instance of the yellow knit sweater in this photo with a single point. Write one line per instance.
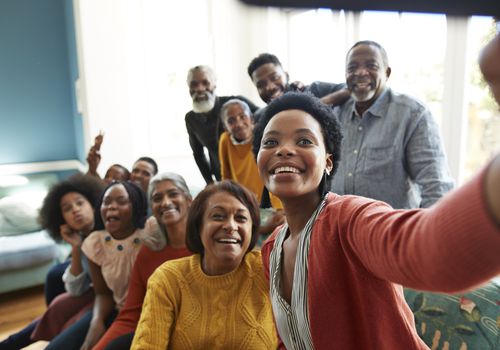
(237, 163)
(186, 309)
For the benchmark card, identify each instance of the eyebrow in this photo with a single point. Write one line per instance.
(220, 207)
(118, 197)
(297, 131)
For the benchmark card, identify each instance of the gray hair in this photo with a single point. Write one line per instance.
(209, 71)
(178, 181)
(383, 53)
(234, 101)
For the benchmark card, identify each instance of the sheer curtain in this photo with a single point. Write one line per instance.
(134, 56)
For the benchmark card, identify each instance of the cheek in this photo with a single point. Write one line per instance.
(248, 232)
(261, 159)
(155, 208)
(67, 217)
(89, 212)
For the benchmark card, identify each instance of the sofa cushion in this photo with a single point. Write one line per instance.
(26, 250)
(19, 213)
(462, 321)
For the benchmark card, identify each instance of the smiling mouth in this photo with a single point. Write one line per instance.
(286, 169)
(228, 241)
(200, 97)
(168, 211)
(112, 218)
(365, 85)
(275, 94)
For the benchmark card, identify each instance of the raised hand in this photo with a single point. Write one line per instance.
(70, 236)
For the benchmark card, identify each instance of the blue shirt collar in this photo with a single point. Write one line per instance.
(378, 108)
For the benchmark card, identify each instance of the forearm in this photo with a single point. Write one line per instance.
(204, 167)
(156, 320)
(450, 247)
(76, 267)
(336, 98)
(103, 306)
(492, 189)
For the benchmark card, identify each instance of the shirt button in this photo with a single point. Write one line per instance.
(350, 174)
(355, 151)
(360, 128)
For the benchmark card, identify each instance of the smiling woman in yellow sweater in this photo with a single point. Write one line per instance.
(217, 298)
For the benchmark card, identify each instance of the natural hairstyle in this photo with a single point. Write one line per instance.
(150, 161)
(199, 206)
(206, 69)
(51, 217)
(125, 170)
(306, 102)
(234, 101)
(137, 199)
(263, 58)
(383, 53)
(176, 179)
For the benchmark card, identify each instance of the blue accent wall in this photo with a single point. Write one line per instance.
(38, 117)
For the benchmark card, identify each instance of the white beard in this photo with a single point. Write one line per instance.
(205, 105)
(363, 97)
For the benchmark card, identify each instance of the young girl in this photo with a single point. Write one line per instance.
(111, 253)
(67, 214)
(170, 200)
(336, 266)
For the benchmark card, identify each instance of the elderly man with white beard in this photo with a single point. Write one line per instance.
(392, 149)
(203, 122)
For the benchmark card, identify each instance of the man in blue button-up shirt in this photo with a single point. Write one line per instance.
(392, 149)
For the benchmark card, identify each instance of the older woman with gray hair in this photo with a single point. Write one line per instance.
(170, 200)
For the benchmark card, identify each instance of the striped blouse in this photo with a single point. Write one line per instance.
(292, 320)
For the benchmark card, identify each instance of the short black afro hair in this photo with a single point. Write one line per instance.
(260, 60)
(306, 102)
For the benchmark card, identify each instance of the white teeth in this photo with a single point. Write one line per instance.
(227, 240)
(286, 169)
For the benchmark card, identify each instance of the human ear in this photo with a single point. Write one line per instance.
(388, 72)
(329, 163)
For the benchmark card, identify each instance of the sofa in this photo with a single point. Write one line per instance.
(467, 321)
(26, 251)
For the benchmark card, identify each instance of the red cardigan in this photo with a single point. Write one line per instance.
(146, 263)
(361, 250)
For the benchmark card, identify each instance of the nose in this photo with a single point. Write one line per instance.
(238, 122)
(111, 205)
(199, 88)
(230, 225)
(270, 86)
(285, 150)
(361, 71)
(166, 201)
